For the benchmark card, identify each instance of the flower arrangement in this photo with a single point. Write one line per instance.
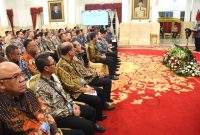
(181, 61)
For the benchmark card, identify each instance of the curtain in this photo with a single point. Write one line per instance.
(115, 6)
(111, 14)
(10, 17)
(34, 13)
(117, 25)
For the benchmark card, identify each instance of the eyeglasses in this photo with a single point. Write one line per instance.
(52, 64)
(15, 77)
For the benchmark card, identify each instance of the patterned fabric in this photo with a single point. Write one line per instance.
(42, 47)
(87, 73)
(81, 40)
(140, 12)
(54, 101)
(102, 46)
(56, 41)
(71, 82)
(25, 70)
(20, 45)
(49, 44)
(23, 115)
(94, 52)
(30, 62)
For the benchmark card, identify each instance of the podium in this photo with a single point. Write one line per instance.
(138, 33)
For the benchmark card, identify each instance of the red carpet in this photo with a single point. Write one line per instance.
(165, 104)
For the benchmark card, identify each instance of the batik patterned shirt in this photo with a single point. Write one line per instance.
(25, 70)
(23, 115)
(58, 102)
(30, 62)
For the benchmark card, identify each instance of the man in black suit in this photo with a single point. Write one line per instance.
(56, 13)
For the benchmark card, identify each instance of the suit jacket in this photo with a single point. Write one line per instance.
(56, 15)
(71, 82)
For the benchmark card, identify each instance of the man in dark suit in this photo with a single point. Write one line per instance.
(56, 13)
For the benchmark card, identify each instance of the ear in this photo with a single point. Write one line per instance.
(46, 68)
(2, 87)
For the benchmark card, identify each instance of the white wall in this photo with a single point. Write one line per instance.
(73, 8)
(163, 5)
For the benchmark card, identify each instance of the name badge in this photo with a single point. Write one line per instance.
(69, 107)
(45, 127)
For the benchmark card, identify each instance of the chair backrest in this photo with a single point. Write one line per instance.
(32, 82)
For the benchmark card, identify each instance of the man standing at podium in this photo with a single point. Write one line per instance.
(140, 11)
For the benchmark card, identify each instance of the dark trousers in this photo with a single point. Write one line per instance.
(88, 112)
(111, 64)
(104, 82)
(93, 101)
(73, 132)
(84, 56)
(76, 123)
(174, 34)
(197, 44)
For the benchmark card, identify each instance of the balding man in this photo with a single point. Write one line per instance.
(74, 84)
(21, 112)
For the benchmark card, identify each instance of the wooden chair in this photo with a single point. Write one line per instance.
(152, 36)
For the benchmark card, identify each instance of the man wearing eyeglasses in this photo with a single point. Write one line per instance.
(20, 110)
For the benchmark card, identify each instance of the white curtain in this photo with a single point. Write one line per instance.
(40, 21)
(111, 14)
(117, 25)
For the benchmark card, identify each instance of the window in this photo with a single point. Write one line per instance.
(182, 15)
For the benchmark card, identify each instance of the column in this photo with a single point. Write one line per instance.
(125, 10)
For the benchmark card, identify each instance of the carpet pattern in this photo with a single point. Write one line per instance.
(152, 100)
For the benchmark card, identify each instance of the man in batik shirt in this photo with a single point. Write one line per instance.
(21, 112)
(29, 56)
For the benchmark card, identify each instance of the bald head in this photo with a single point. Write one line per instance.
(66, 47)
(7, 69)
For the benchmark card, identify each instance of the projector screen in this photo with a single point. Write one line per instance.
(94, 17)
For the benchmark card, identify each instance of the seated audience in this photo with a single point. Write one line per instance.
(59, 103)
(20, 110)
(97, 57)
(74, 84)
(91, 76)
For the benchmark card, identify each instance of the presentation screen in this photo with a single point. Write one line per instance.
(94, 17)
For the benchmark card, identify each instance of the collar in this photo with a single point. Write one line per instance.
(66, 59)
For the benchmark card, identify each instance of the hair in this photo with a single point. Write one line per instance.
(55, 5)
(36, 36)
(78, 31)
(93, 35)
(60, 30)
(17, 33)
(24, 32)
(66, 49)
(2, 59)
(41, 61)
(26, 42)
(10, 49)
(46, 33)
